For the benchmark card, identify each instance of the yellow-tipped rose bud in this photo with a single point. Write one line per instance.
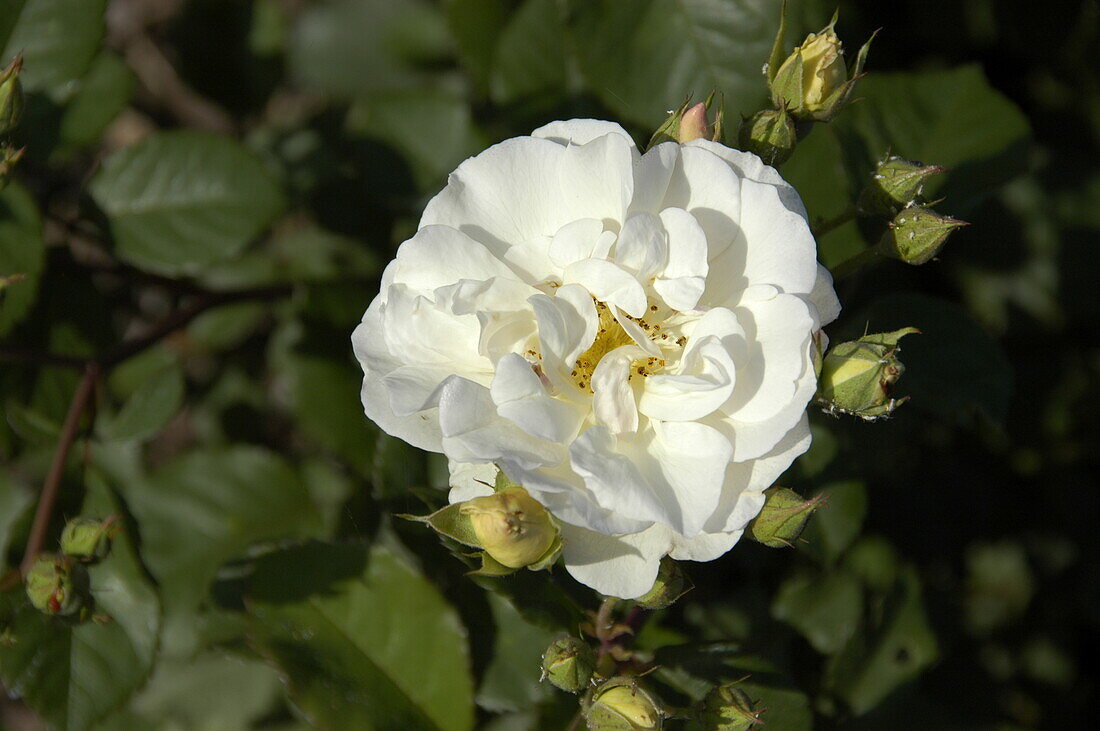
(621, 704)
(512, 527)
(858, 376)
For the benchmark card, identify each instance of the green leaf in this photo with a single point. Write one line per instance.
(102, 93)
(22, 252)
(58, 38)
(210, 692)
(179, 201)
(433, 129)
(642, 57)
(824, 608)
(955, 367)
(148, 409)
(347, 47)
(75, 674)
(530, 57)
(952, 118)
(475, 26)
(209, 506)
(362, 641)
(511, 682)
(784, 708)
(837, 522)
(14, 499)
(881, 658)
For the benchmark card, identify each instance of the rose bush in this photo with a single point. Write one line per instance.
(629, 336)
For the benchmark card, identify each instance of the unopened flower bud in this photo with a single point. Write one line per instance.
(728, 708)
(671, 584)
(857, 376)
(782, 518)
(87, 539)
(621, 704)
(690, 122)
(513, 528)
(52, 587)
(770, 134)
(568, 663)
(11, 96)
(9, 158)
(895, 183)
(813, 82)
(917, 234)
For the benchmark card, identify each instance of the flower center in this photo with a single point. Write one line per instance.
(610, 335)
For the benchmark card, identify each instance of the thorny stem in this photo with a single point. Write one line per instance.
(52, 485)
(824, 227)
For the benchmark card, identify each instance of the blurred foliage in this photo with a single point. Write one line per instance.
(209, 192)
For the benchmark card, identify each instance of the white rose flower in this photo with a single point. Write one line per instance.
(628, 336)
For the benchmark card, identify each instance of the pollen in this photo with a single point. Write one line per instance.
(610, 335)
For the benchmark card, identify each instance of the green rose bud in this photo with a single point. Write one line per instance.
(671, 584)
(769, 134)
(568, 663)
(87, 539)
(917, 234)
(728, 708)
(813, 83)
(690, 122)
(53, 585)
(857, 376)
(513, 528)
(621, 704)
(9, 158)
(11, 96)
(782, 518)
(894, 184)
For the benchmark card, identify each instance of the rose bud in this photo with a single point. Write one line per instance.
(857, 376)
(782, 518)
(770, 134)
(895, 183)
(728, 708)
(621, 704)
(917, 234)
(512, 527)
(87, 539)
(52, 587)
(11, 96)
(568, 664)
(671, 584)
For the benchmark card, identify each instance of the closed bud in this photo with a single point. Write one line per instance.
(917, 234)
(770, 134)
(691, 122)
(53, 585)
(87, 539)
(568, 664)
(857, 377)
(728, 708)
(621, 704)
(671, 584)
(895, 183)
(11, 96)
(9, 158)
(513, 528)
(813, 83)
(782, 518)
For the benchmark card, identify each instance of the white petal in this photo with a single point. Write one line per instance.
(613, 398)
(575, 241)
(414, 388)
(470, 480)
(521, 397)
(703, 547)
(620, 566)
(752, 167)
(474, 432)
(616, 479)
(438, 255)
(642, 247)
(692, 459)
(567, 324)
(369, 344)
(580, 131)
(683, 279)
(652, 173)
(608, 283)
(597, 178)
(709, 189)
(824, 298)
(508, 194)
(705, 385)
